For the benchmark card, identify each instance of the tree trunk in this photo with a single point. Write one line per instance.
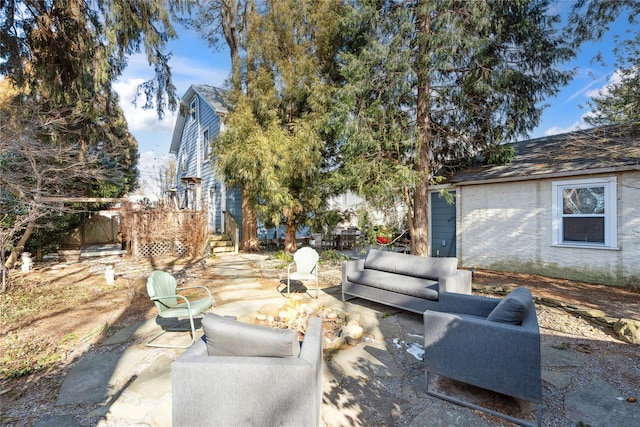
(290, 245)
(249, 225)
(13, 257)
(34, 211)
(4, 272)
(420, 232)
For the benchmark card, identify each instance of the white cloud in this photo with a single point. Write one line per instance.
(138, 118)
(577, 125)
(185, 72)
(615, 79)
(583, 90)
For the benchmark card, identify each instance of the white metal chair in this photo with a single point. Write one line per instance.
(305, 261)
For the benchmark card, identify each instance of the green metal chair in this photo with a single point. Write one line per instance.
(163, 291)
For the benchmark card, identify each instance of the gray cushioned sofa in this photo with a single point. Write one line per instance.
(487, 342)
(413, 283)
(241, 374)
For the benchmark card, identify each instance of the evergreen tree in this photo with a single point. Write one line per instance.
(70, 51)
(620, 101)
(437, 82)
(272, 146)
(63, 57)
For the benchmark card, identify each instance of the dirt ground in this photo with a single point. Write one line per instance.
(615, 301)
(105, 309)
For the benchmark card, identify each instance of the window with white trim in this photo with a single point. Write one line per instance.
(183, 159)
(205, 145)
(584, 212)
(192, 108)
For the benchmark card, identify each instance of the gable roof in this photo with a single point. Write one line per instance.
(213, 96)
(592, 151)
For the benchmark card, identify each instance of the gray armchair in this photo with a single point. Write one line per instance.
(474, 341)
(250, 389)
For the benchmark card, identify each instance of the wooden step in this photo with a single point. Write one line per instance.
(220, 243)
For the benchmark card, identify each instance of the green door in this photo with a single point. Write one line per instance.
(443, 226)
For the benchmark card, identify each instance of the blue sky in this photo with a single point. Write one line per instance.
(194, 62)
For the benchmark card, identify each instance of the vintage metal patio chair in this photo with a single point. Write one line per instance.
(163, 291)
(305, 261)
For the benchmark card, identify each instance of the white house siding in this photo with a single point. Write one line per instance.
(508, 227)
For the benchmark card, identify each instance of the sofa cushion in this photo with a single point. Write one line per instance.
(227, 337)
(398, 283)
(513, 308)
(410, 265)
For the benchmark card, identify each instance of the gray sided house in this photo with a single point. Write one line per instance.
(567, 206)
(202, 111)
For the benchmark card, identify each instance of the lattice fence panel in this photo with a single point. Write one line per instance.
(154, 249)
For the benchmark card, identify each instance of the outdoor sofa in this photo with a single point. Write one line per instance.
(490, 343)
(241, 374)
(410, 282)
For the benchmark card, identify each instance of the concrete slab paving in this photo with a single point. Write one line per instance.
(123, 335)
(57, 421)
(601, 405)
(446, 417)
(553, 357)
(245, 307)
(411, 323)
(358, 403)
(367, 359)
(131, 412)
(155, 381)
(242, 295)
(558, 379)
(161, 412)
(96, 377)
(244, 285)
(90, 380)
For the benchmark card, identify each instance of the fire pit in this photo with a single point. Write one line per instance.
(339, 327)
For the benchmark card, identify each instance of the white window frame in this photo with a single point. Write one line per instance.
(184, 163)
(193, 108)
(205, 145)
(610, 212)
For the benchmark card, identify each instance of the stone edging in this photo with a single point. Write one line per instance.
(628, 330)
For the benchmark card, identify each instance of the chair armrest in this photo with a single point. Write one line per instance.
(498, 356)
(349, 267)
(475, 305)
(198, 349)
(311, 349)
(195, 287)
(181, 297)
(458, 282)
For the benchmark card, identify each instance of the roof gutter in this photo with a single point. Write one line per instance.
(553, 175)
